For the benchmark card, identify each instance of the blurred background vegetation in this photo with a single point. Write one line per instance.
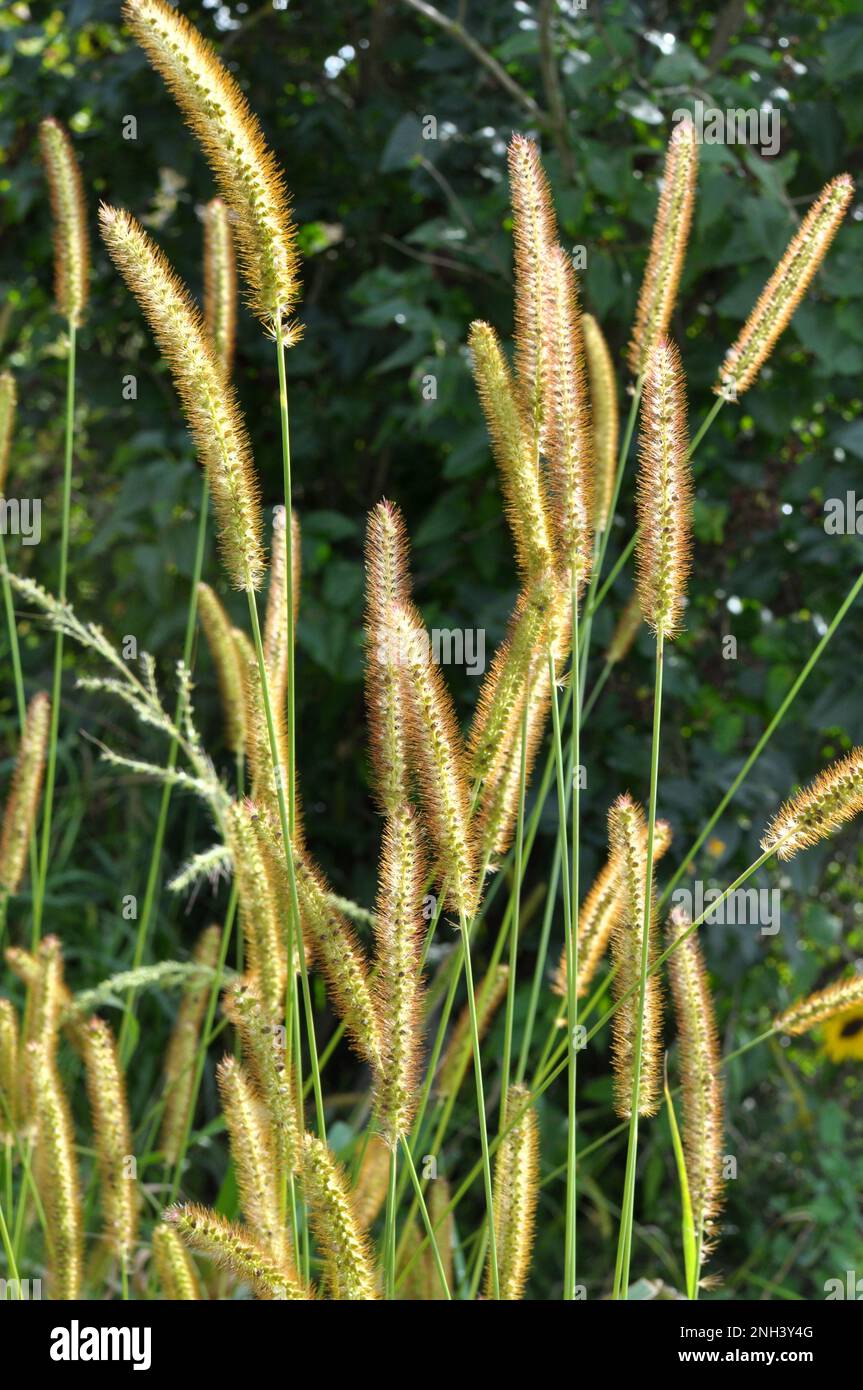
(406, 239)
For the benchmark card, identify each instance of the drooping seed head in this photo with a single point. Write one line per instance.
(534, 234)
(71, 242)
(179, 1064)
(338, 1232)
(235, 1248)
(209, 402)
(516, 1190)
(667, 247)
(220, 283)
(8, 399)
(569, 445)
(664, 495)
(831, 801)
(245, 169)
(807, 1013)
(174, 1266)
(784, 290)
(604, 417)
(387, 585)
(22, 804)
(109, 1109)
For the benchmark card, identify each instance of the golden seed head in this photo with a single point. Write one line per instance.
(8, 400)
(834, 798)
(569, 445)
(245, 169)
(785, 289)
(817, 1008)
(604, 414)
(259, 916)
(109, 1108)
(338, 1232)
(179, 1065)
(235, 1248)
(258, 1179)
(10, 1062)
(387, 585)
(534, 234)
(370, 1192)
(219, 633)
(209, 402)
(700, 1074)
(56, 1173)
(511, 444)
(667, 247)
(276, 618)
(220, 283)
(175, 1269)
(516, 1190)
(627, 834)
(22, 803)
(664, 494)
(71, 243)
(264, 1054)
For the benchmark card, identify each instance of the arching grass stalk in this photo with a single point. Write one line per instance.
(390, 1229)
(480, 1104)
(515, 916)
(20, 705)
(39, 885)
(572, 959)
(152, 884)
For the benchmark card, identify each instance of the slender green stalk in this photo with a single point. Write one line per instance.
(572, 960)
(515, 916)
(480, 1106)
(9, 1252)
(621, 1279)
(562, 792)
(20, 698)
(124, 1044)
(390, 1230)
(430, 1235)
(39, 885)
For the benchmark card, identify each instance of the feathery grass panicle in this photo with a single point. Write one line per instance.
(219, 633)
(370, 1191)
(569, 447)
(10, 1064)
(700, 1072)
(209, 402)
(220, 283)
(179, 1064)
(276, 617)
(438, 760)
(71, 242)
(335, 948)
(534, 234)
(387, 585)
(667, 247)
(266, 775)
(398, 984)
(664, 494)
(254, 1159)
(234, 1248)
(456, 1058)
(8, 401)
(109, 1109)
(625, 631)
(627, 834)
(816, 1008)
(259, 916)
(56, 1173)
(338, 1232)
(246, 171)
(22, 804)
(174, 1266)
(263, 1048)
(784, 290)
(48, 995)
(526, 507)
(833, 799)
(604, 418)
(516, 1190)
(601, 912)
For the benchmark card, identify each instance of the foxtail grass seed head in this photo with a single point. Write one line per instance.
(627, 834)
(109, 1109)
(604, 418)
(534, 234)
(831, 801)
(399, 929)
(387, 585)
(456, 1058)
(817, 1008)
(516, 1189)
(339, 1234)
(48, 995)
(220, 283)
(10, 1063)
(276, 618)
(420, 1280)
(179, 1065)
(258, 908)
(784, 290)
(370, 1192)
(439, 763)
(69, 214)
(664, 495)
(625, 631)
(57, 1174)
(264, 1055)
(174, 1266)
(219, 633)
(667, 247)
(569, 446)
(8, 400)
(258, 1178)
(511, 445)
(700, 1075)
(234, 1248)
(22, 803)
(209, 402)
(246, 171)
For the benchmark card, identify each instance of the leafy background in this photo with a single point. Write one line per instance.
(406, 239)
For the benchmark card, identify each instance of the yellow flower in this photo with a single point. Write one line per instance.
(843, 1036)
